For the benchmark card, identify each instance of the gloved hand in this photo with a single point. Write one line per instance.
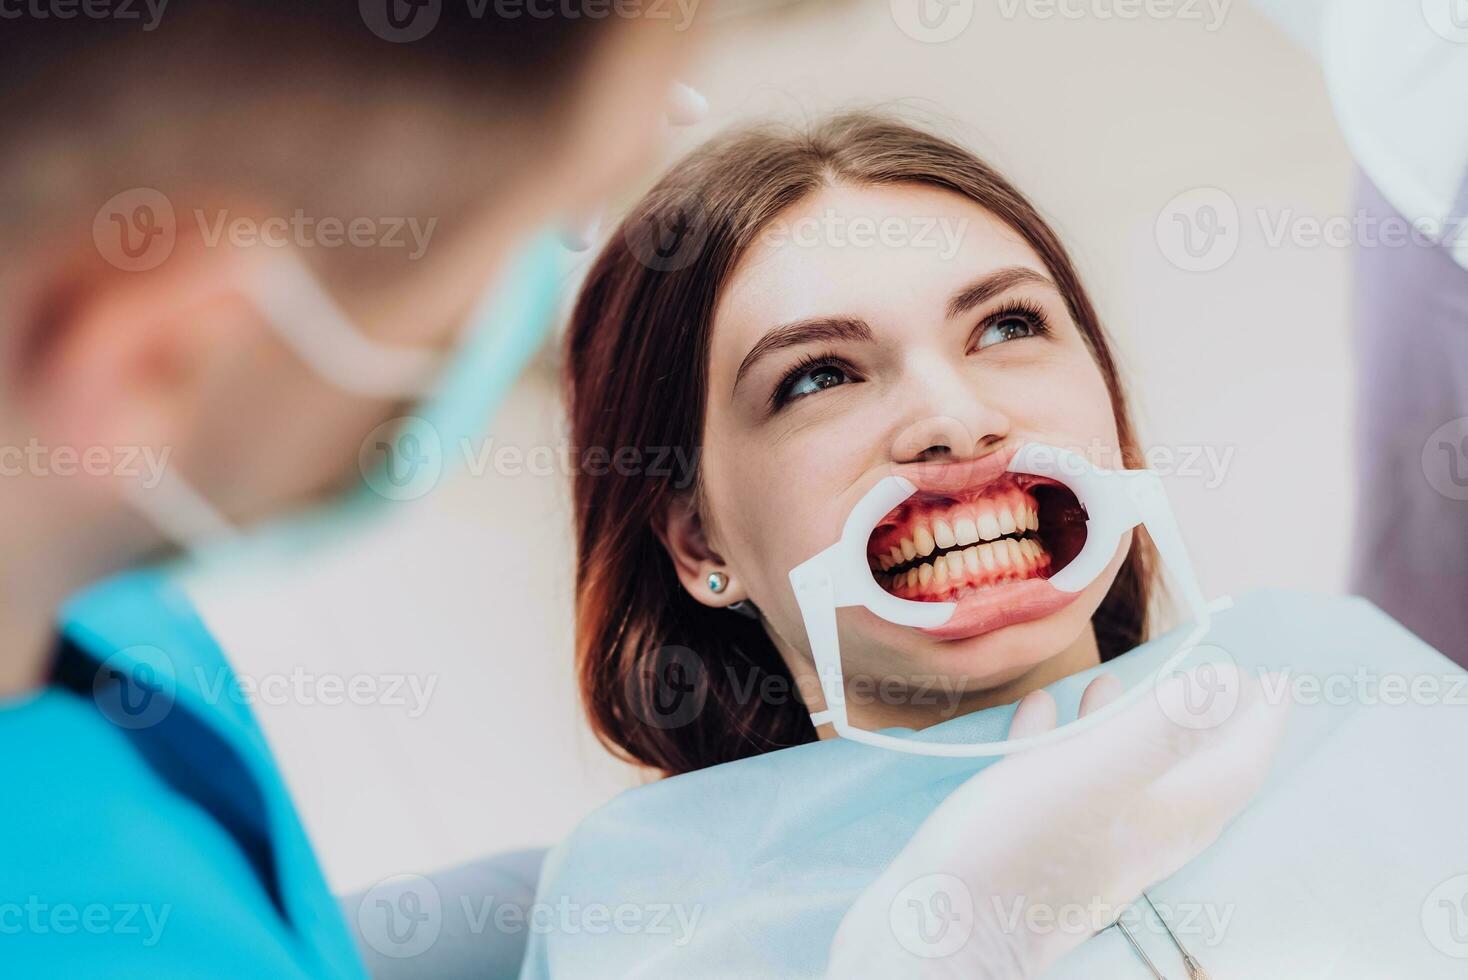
(1089, 822)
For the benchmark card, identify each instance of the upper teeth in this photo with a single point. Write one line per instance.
(984, 520)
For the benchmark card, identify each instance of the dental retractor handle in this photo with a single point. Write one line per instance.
(840, 576)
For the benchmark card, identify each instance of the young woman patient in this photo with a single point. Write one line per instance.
(792, 362)
(787, 318)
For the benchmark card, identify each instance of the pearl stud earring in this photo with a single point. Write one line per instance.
(718, 582)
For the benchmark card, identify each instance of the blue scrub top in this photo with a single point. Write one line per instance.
(146, 831)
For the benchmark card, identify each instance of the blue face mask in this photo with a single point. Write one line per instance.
(403, 459)
(506, 330)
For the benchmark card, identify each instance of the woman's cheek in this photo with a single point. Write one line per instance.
(763, 514)
(1090, 400)
(1075, 411)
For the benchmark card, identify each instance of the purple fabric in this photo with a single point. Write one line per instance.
(1410, 550)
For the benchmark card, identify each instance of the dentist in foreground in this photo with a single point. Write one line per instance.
(162, 303)
(150, 833)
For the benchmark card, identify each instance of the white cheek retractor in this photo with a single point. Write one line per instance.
(1114, 501)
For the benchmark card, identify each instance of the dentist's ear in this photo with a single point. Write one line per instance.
(125, 359)
(703, 571)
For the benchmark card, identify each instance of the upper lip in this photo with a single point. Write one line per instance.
(951, 477)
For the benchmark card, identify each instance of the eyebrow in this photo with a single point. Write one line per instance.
(821, 329)
(827, 329)
(993, 284)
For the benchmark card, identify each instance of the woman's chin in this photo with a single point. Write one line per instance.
(993, 639)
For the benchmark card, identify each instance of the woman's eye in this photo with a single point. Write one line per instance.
(816, 379)
(809, 377)
(1009, 326)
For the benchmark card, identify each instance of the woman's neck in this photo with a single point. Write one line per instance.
(936, 706)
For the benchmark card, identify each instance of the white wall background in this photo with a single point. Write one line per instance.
(1103, 121)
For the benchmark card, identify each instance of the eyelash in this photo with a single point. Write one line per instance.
(1022, 309)
(781, 395)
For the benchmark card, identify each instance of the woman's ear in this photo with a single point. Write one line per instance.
(702, 570)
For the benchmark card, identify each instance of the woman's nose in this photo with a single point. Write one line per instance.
(947, 419)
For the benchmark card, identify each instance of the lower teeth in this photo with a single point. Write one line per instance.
(976, 565)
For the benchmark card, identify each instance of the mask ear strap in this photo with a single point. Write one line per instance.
(312, 324)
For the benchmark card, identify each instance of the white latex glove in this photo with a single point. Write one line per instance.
(1091, 821)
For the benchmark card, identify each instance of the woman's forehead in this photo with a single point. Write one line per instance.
(876, 252)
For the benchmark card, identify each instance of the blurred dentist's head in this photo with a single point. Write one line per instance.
(150, 167)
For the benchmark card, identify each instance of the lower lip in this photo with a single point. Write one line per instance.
(1002, 605)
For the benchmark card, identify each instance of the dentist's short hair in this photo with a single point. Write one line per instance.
(326, 105)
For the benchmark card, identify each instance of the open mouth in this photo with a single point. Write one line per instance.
(944, 545)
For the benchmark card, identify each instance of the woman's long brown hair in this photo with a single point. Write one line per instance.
(636, 381)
